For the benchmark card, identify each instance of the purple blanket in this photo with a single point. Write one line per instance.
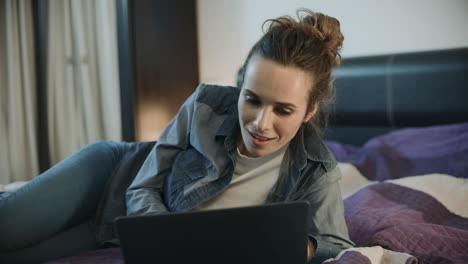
(405, 220)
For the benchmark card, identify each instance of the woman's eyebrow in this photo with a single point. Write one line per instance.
(282, 104)
(250, 93)
(286, 105)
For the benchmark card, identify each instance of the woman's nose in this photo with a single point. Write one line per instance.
(263, 120)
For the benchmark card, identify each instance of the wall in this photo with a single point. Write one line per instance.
(227, 29)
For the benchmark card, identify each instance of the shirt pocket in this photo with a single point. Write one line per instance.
(189, 166)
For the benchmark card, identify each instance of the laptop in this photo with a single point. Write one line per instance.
(273, 234)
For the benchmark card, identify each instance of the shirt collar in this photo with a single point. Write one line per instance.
(307, 144)
(228, 128)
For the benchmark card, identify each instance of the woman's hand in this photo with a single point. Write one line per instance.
(310, 250)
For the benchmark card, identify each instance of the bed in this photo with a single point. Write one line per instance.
(400, 133)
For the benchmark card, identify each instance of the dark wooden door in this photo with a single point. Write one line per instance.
(163, 57)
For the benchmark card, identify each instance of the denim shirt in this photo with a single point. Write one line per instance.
(192, 161)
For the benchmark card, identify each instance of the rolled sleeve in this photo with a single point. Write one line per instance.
(324, 250)
(327, 227)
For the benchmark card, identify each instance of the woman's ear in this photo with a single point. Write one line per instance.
(312, 111)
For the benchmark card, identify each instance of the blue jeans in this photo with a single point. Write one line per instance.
(53, 215)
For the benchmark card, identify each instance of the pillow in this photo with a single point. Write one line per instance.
(410, 151)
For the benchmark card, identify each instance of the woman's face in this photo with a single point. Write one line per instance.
(272, 106)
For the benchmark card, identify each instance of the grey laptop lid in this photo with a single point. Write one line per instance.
(273, 234)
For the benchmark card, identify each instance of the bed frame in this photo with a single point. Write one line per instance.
(378, 94)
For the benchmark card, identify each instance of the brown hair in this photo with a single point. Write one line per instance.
(311, 44)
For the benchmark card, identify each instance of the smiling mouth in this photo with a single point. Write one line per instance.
(259, 138)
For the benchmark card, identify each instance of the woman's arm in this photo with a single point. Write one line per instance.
(144, 196)
(328, 233)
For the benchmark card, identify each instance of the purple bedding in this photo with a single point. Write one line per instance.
(101, 256)
(406, 220)
(384, 214)
(356, 257)
(409, 152)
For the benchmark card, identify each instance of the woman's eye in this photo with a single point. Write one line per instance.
(251, 100)
(282, 111)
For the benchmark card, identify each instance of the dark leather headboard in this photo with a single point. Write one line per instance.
(378, 94)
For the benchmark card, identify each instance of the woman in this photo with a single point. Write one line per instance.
(226, 147)
(232, 147)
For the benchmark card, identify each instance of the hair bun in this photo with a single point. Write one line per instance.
(320, 29)
(326, 29)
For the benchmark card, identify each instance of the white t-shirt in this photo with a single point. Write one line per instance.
(251, 183)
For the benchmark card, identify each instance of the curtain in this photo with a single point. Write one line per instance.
(83, 94)
(18, 121)
(82, 75)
